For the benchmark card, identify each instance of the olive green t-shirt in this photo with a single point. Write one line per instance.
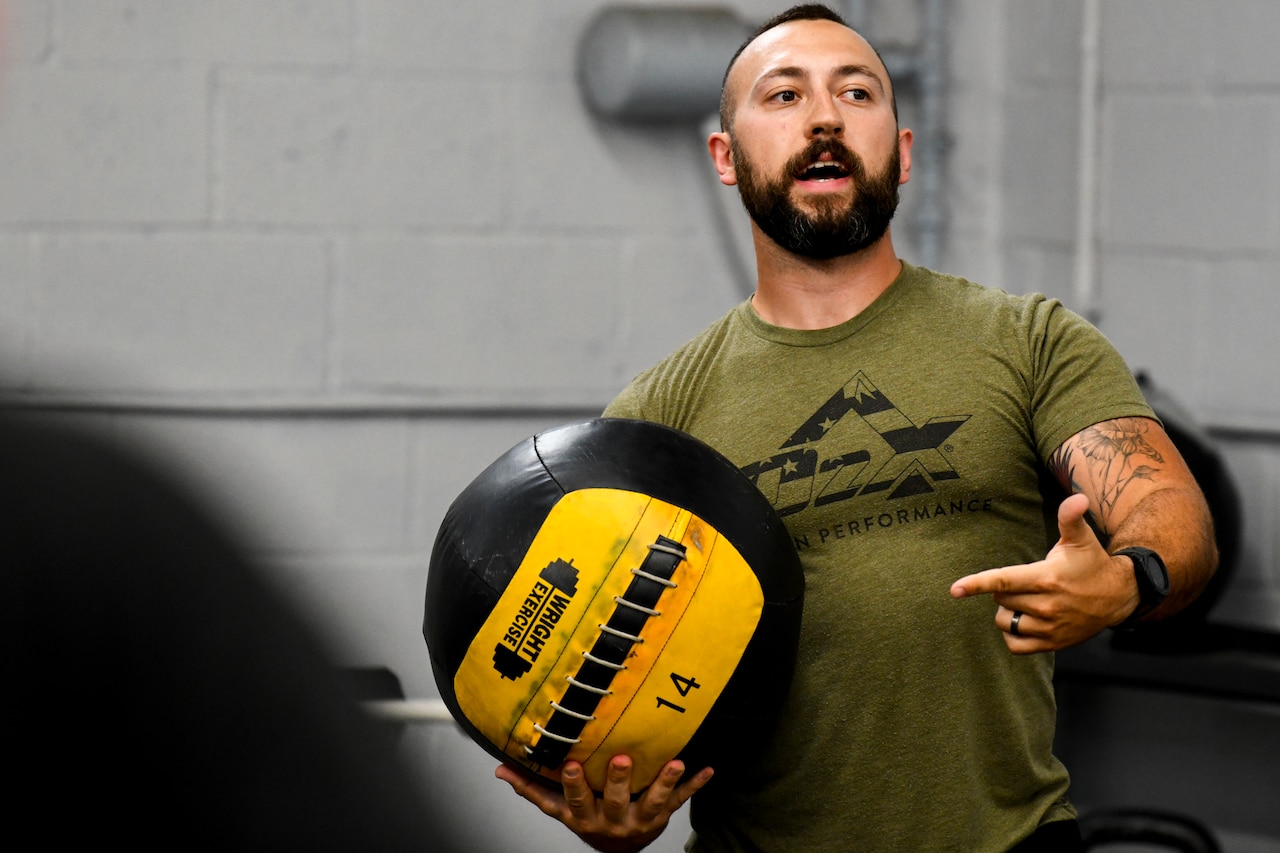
(904, 449)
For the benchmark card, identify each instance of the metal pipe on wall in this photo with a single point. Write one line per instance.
(645, 65)
(1086, 291)
(932, 142)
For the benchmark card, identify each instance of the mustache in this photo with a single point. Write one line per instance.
(840, 153)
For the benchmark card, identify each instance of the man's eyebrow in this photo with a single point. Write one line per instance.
(860, 71)
(786, 72)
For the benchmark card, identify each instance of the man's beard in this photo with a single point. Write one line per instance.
(835, 227)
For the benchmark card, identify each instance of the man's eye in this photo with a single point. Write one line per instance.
(785, 97)
(857, 94)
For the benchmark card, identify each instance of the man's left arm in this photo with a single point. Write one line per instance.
(1136, 488)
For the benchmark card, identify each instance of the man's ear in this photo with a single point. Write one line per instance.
(721, 149)
(905, 139)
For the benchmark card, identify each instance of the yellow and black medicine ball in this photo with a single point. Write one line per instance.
(613, 587)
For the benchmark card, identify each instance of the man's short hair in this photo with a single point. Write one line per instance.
(802, 12)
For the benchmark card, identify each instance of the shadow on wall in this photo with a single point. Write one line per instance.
(159, 692)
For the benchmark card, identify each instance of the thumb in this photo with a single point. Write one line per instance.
(1071, 524)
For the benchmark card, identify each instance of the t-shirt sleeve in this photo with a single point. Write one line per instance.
(626, 405)
(1079, 378)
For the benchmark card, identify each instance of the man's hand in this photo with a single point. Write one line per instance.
(1075, 592)
(613, 823)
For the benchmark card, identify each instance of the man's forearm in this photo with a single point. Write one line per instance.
(1175, 523)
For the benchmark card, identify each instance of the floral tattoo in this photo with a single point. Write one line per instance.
(1113, 454)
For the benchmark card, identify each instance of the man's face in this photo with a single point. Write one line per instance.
(814, 146)
(830, 225)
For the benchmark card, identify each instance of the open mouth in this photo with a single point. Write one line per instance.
(823, 170)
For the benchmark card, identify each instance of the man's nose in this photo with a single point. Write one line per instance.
(824, 116)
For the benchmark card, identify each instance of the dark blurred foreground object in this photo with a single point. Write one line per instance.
(157, 692)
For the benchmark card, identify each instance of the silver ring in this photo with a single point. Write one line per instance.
(1013, 626)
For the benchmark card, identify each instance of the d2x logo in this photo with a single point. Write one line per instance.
(806, 474)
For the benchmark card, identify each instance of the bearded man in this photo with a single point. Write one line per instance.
(973, 480)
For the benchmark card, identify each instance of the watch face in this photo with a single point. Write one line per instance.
(1153, 569)
(1153, 582)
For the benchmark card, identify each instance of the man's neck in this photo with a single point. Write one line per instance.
(802, 293)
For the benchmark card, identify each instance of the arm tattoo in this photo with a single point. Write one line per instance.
(1104, 460)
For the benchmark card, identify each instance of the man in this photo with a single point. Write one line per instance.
(915, 431)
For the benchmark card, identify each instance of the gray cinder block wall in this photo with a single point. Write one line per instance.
(1185, 208)
(333, 256)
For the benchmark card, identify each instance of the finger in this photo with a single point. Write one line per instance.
(1030, 638)
(1009, 579)
(578, 795)
(511, 777)
(661, 796)
(1071, 524)
(544, 798)
(1026, 645)
(975, 584)
(1015, 623)
(692, 786)
(617, 789)
(1017, 601)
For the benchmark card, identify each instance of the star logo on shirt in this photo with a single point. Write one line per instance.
(806, 474)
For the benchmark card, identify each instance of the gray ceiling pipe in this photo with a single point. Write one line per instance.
(645, 65)
(657, 65)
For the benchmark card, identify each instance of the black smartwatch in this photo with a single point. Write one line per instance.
(1153, 582)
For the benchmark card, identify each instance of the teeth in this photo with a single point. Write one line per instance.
(824, 170)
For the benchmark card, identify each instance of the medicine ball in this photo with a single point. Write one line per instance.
(613, 587)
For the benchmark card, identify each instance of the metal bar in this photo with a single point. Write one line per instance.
(409, 710)
(292, 407)
(1086, 289)
(932, 142)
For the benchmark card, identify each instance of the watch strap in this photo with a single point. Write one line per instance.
(1151, 594)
